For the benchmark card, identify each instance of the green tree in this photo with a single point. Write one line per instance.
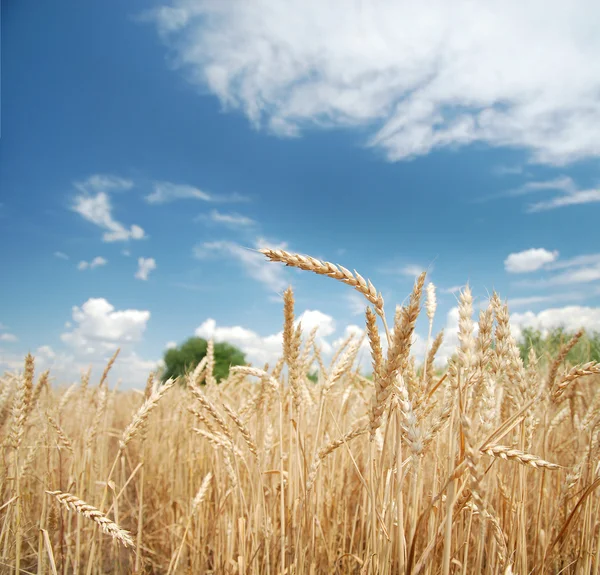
(188, 355)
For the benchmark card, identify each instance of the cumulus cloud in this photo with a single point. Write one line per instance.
(171, 345)
(95, 263)
(422, 76)
(253, 262)
(571, 318)
(145, 266)
(96, 331)
(61, 256)
(99, 327)
(165, 192)
(529, 260)
(97, 209)
(267, 349)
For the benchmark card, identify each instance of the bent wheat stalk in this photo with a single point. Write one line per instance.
(71, 502)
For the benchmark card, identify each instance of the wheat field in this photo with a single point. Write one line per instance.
(482, 465)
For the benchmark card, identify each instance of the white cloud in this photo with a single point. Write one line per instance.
(126, 253)
(571, 318)
(98, 210)
(576, 261)
(95, 263)
(580, 275)
(165, 192)
(99, 327)
(103, 183)
(562, 184)
(412, 270)
(61, 256)
(171, 345)
(356, 302)
(258, 349)
(99, 330)
(529, 260)
(507, 170)
(451, 289)
(254, 263)
(231, 219)
(532, 300)
(168, 192)
(8, 337)
(572, 199)
(424, 76)
(145, 266)
(267, 349)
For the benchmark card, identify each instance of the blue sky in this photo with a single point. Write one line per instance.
(146, 145)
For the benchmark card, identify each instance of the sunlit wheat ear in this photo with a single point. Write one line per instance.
(330, 448)
(519, 456)
(109, 527)
(465, 329)
(334, 271)
(208, 406)
(143, 413)
(431, 301)
(560, 357)
(397, 354)
(256, 372)
(108, 367)
(288, 323)
(242, 429)
(62, 436)
(210, 363)
(202, 492)
(39, 387)
(195, 377)
(577, 371)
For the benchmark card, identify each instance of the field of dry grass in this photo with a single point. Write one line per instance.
(486, 466)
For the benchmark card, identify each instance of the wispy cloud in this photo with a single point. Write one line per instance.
(145, 266)
(97, 262)
(253, 262)
(451, 289)
(165, 192)
(103, 183)
(580, 275)
(356, 303)
(421, 76)
(61, 256)
(539, 299)
(97, 209)
(507, 170)
(583, 260)
(529, 260)
(230, 219)
(571, 199)
(408, 270)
